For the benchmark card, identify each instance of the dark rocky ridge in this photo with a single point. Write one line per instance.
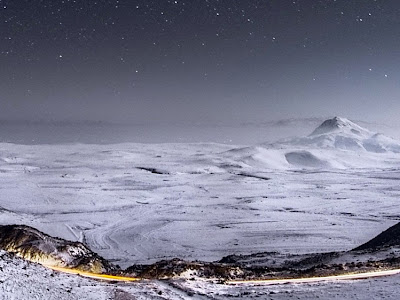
(388, 238)
(381, 253)
(33, 245)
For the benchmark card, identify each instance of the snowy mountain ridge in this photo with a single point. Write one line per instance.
(343, 134)
(342, 125)
(335, 143)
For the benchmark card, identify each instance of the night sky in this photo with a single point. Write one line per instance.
(199, 61)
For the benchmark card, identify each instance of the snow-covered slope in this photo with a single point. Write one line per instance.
(23, 280)
(139, 202)
(341, 133)
(336, 143)
(341, 126)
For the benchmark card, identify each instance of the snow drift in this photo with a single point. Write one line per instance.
(305, 159)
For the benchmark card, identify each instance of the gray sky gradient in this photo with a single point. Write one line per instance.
(199, 61)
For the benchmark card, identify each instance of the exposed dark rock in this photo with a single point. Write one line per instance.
(175, 267)
(36, 246)
(388, 238)
(154, 171)
(33, 245)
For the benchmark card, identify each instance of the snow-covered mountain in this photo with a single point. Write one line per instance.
(341, 133)
(340, 125)
(336, 143)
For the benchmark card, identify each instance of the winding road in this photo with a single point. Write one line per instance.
(355, 276)
(94, 275)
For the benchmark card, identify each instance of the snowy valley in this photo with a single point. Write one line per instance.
(133, 204)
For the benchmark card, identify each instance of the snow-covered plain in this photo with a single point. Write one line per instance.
(140, 203)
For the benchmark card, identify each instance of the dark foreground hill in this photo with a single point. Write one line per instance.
(377, 254)
(33, 245)
(388, 238)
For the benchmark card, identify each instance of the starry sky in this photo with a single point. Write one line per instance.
(200, 60)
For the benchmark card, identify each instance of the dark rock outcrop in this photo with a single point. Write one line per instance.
(33, 245)
(388, 238)
(377, 254)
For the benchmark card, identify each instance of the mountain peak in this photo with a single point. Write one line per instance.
(338, 124)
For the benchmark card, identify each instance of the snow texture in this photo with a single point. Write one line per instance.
(140, 203)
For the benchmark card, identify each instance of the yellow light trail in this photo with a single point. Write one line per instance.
(94, 275)
(316, 279)
(239, 282)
